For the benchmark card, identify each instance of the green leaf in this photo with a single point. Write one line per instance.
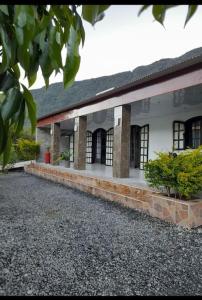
(4, 9)
(102, 8)
(7, 150)
(4, 63)
(11, 103)
(20, 118)
(43, 23)
(25, 15)
(32, 79)
(73, 58)
(7, 81)
(13, 45)
(66, 34)
(46, 64)
(2, 97)
(31, 107)
(158, 12)
(82, 32)
(20, 15)
(46, 80)
(191, 11)
(54, 48)
(42, 38)
(93, 13)
(78, 25)
(16, 71)
(34, 63)
(143, 8)
(6, 49)
(23, 57)
(28, 36)
(19, 33)
(2, 135)
(68, 14)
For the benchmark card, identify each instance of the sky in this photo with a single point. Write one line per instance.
(123, 41)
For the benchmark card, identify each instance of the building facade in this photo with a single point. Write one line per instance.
(123, 127)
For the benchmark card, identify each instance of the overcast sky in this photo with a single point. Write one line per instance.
(123, 41)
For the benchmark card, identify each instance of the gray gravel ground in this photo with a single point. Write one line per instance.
(58, 241)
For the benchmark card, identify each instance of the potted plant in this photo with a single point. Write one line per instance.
(65, 157)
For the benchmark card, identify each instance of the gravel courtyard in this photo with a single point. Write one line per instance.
(58, 241)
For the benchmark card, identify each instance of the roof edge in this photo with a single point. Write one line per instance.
(185, 66)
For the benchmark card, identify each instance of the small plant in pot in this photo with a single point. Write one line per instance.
(65, 157)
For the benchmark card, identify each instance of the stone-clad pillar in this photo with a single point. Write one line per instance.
(55, 142)
(121, 146)
(80, 143)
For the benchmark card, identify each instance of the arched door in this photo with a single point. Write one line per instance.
(99, 146)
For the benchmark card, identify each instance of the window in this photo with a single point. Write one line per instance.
(71, 146)
(196, 134)
(193, 133)
(187, 134)
(109, 147)
(89, 147)
(144, 145)
(178, 135)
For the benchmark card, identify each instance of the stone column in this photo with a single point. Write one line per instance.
(121, 146)
(55, 142)
(80, 143)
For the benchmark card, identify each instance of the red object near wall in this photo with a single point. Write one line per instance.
(47, 157)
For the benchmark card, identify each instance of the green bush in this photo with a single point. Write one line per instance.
(179, 174)
(27, 149)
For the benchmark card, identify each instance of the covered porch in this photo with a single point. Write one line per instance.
(136, 176)
(125, 127)
(117, 146)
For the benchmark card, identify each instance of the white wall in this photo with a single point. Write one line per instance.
(160, 114)
(161, 131)
(103, 119)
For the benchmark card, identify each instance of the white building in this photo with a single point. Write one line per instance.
(128, 118)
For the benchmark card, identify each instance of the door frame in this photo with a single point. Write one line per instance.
(135, 146)
(103, 146)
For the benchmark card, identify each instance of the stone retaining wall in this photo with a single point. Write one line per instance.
(184, 213)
